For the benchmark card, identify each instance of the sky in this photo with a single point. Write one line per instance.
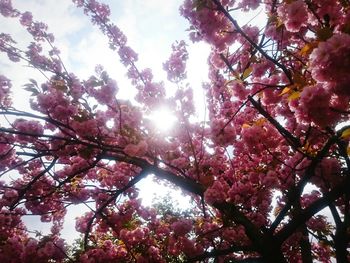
(151, 27)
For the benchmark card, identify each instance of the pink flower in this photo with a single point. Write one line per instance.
(127, 55)
(182, 227)
(205, 23)
(176, 65)
(139, 149)
(11, 194)
(314, 105)
(38, 31)
(217, 193)
(26, 19)
(106, 93)
(101, 11)
(249, 4)
(5, 86)
(330, 62)
(30, 127)
(294, 14)
(7, 10)
(222, 136)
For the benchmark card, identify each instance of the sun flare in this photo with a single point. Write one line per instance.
(163, 119)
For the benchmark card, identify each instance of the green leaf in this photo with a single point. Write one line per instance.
(30, 88)
(33, 81)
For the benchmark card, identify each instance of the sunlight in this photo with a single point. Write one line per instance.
(163, 119)
(151, 191)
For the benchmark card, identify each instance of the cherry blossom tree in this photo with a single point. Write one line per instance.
(277, 101)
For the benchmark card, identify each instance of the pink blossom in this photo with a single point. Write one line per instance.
(101, 11)
(176, 65)
(294, 14)
(29, 128)
(127, 55)
(314, 105)
(7, 10)
(249, 4)
(216, 193)
(10, 194)
(139, 149)
(330, 62)
(182, 227)
(39, 31)
(26, 18)
(82, 144)
(5, 86)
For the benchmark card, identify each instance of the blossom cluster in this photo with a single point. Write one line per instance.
(276, 96)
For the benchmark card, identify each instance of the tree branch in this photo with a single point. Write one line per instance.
(256, 46)
(99, 211)
(312, 209)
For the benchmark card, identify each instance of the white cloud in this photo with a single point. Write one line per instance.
(61, 16)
